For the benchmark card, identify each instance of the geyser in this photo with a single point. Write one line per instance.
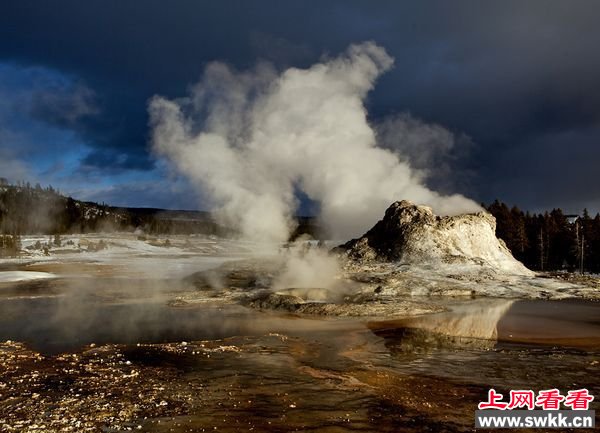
(250, 140)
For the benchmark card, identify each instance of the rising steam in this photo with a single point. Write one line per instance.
(250, 140)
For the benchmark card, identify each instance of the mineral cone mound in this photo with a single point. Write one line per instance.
(413, 235)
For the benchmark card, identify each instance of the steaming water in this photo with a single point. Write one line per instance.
(41, 323)
(288, 373)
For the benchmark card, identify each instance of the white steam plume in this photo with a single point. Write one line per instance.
(250, 139)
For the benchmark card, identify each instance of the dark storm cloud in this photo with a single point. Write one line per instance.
(62, 107)
(518, 78)
(564, 165)
(40, 110)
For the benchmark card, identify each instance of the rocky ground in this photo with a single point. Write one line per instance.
(274, 384)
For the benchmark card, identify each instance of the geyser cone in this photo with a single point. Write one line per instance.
(413, 235)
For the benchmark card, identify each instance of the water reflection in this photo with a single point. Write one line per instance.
(474, 324)
(510, 344)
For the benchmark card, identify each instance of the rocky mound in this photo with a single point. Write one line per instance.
(413, 235)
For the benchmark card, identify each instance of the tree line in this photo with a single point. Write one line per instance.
(27, 209)
(550, 241)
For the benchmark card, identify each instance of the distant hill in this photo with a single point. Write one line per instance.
(27, 209)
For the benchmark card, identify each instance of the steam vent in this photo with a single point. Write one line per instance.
(412, 235)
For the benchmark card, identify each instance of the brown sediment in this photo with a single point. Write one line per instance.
(441, 401)
(31, 288)
(74, 268)
(227, 385)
